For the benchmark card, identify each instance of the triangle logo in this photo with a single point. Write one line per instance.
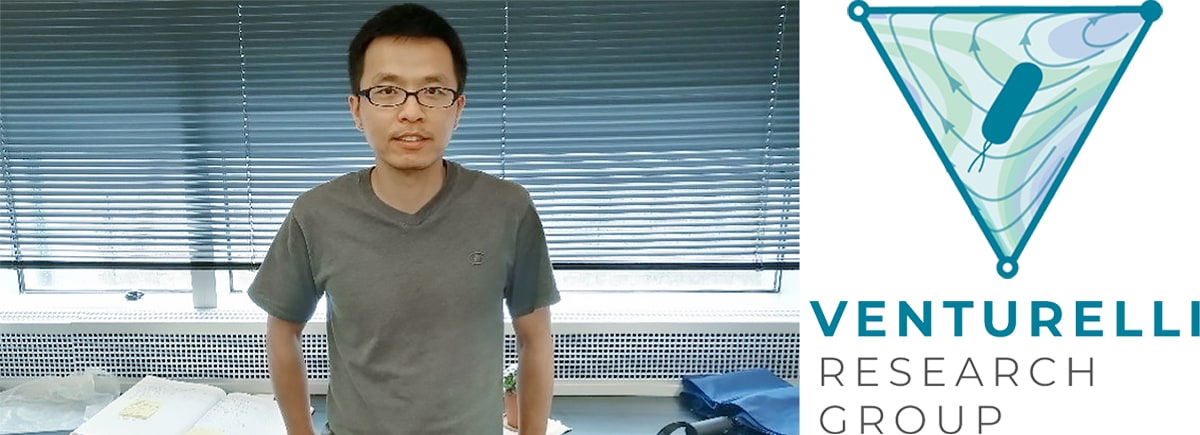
(1007, 96)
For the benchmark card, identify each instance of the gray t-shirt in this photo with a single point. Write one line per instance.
(415, 315)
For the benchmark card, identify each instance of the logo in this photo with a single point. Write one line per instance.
(476, 258)
(1007, 95)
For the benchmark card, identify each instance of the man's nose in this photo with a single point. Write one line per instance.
(411, 110)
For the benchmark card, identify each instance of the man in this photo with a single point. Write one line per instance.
(415, 256)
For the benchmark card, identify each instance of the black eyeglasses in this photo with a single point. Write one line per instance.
(433, 97)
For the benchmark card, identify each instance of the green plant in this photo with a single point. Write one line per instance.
(510, 378)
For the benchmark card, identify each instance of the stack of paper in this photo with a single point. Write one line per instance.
(553, 427)
(157, 406)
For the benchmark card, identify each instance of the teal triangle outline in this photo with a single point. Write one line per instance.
(1006, 266)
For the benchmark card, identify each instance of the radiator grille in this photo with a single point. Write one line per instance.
(32, 355)
(578, 356)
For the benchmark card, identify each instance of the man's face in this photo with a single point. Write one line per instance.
(410, 137)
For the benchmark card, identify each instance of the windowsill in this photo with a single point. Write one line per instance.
(575, 307)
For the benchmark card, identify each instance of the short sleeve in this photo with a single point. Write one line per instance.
(531, 282)
(284, 286)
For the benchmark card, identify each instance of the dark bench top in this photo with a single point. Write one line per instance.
(585, 415)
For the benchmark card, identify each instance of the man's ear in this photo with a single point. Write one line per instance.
(462, 103)
(353, 101)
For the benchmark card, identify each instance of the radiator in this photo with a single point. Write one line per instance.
(595, 354)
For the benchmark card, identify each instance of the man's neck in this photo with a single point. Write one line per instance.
(407, 191)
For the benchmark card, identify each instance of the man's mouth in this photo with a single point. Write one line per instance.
(410, 140)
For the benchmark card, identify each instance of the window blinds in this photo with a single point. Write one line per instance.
(175, 135)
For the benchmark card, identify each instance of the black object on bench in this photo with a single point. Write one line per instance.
(712, 426)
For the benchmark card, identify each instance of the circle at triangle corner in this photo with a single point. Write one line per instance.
(859, 10)
(1151, 10)
(1007, 268)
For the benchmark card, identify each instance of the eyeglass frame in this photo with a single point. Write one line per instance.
(366, 93)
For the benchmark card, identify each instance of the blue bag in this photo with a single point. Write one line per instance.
(751, 401)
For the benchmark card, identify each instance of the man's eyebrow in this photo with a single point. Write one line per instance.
(389, 77)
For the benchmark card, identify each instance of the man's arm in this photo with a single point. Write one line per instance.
(289, 376)
(535, 379)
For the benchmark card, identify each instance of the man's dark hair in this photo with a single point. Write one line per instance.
(406, 20)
